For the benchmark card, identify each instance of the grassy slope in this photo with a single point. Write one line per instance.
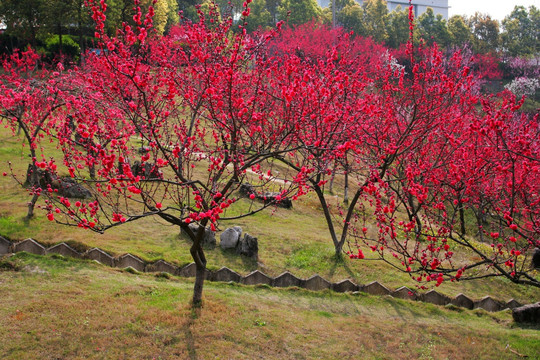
(296, 240)
(57, 308)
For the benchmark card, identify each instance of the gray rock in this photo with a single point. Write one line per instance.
(229, 238)
(536, 258)
(5, 246)
(30, 246)
(248, 246)
(271, 197)
(64, 250)
(247, 189)
(67, 187)
(527, 314)
(71, 189)
(209, 237)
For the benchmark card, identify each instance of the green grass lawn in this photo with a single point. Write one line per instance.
(59, 308)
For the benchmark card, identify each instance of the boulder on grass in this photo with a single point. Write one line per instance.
(230, 238)
(209, 237)
(248, 246)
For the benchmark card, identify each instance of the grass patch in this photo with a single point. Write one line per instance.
(69, 310)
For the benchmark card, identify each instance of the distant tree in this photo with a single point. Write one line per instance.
(23, 18)
(29, 101)
(351, 17)
(398, 27)
(485, 32)
(230, 8)
(376, 19)
(259, 16)
(460, 33)
(432, 28)
(273, 8)
(297, 12)
(521, 32)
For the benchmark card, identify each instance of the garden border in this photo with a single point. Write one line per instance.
(286, 279)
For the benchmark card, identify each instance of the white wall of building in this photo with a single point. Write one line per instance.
(420, 6)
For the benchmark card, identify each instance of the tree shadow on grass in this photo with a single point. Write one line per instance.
(195, 312)
(339, 261)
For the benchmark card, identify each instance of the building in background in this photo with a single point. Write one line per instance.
(420, 6)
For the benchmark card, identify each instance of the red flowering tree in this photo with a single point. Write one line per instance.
(461, 157)
(170, 127)
(30, 99)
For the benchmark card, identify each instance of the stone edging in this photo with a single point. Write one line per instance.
(225, 274)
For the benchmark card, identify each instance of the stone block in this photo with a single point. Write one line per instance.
(436, 298)
(190, 270)
(30, 246)
(162, 266)
(512, 304)
(375, 288)
(100, 256)
(225, 274)
(286, 280)
(463, 301)
(316, 283)
(5, 246)
(128, 260)
(527, 314)
(404, 293)
(489, 304)
(257, 277)
(345, 286)
(64, 250)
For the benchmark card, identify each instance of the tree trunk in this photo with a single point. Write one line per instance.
(31, 206)
(332, 177)
(346, 189)
(197, 253)
(198, 287)
(60, 44)
(462, 219)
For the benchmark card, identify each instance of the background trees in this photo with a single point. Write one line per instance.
(298, 12)
(520, 35)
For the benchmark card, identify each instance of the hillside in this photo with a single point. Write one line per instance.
(71, 309)
(295, 240)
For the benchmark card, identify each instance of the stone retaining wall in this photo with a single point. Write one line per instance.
(315, 283)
